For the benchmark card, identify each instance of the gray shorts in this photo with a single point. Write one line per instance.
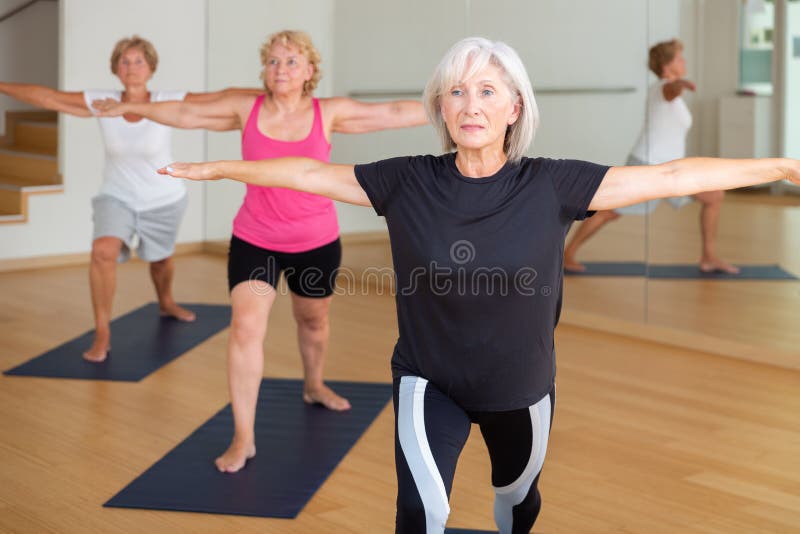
(152, 233)
(646, 208)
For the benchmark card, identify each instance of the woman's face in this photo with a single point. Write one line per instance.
(478, 111)
(287, 70)
(675, 69)
(132, 68)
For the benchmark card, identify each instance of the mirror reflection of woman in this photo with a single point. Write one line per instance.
(131, 203)
(285, 231)
(483, 351)
(663, 139)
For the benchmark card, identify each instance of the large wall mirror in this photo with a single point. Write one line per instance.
(744, 58)
(589, 64)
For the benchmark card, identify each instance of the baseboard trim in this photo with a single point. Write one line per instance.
(81, 258)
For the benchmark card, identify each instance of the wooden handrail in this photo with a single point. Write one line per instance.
(23, 7)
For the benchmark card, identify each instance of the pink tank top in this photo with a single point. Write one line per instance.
(281, 219)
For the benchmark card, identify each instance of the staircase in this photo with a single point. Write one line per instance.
(28, 162)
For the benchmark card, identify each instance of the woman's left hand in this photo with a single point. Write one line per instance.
(191, 171)
(793, 172)
(108, 107)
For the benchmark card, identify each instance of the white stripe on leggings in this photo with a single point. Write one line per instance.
(417, 452)
(507, 497)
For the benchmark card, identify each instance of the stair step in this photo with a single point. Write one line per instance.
(42, 169)
(33, 150)
(10, 202)
(36, 136)
(14, 183)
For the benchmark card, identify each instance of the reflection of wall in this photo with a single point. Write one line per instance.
(235, 34)
(61, 224)
(28, 49)
(791, 91)
(715, 23)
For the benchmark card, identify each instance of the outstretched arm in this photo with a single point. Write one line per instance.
(337, 182)
(218, 111)
(674, 89)
(353, 116)
(623, 186)
(47, 98)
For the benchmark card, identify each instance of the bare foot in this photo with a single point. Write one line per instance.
(236, 456)
(717, 265)
(327, 397)
(570, 264)
(98, 352)
(179, 313)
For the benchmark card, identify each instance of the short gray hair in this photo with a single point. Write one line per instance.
(464, 60)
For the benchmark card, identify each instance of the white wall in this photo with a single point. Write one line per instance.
(28, 49)
(791, 89)
(564, 44)
(61, 223)
(236, 31)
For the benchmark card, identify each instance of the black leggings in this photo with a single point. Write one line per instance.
(430, 432)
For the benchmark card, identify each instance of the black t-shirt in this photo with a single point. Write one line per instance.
(479, 270)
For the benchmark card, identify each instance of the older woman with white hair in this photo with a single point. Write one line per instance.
(477, 240)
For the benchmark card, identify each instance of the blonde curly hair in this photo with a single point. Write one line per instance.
(301, 41)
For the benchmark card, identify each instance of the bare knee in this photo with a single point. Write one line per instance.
(160, 265)
(711, 198)
(105, 250)
(607, 215)
(247, 330)
(316, 322)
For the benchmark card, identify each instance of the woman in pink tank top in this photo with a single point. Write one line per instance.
(279, 230)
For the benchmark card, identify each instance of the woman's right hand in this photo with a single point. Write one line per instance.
(191, 171)
(109, 107)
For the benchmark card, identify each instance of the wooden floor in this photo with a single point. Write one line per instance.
(646, 438)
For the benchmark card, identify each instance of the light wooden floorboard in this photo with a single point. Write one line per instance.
(646, 438)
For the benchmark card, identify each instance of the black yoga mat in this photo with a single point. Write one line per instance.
(141, 342)
(298, 447)
(680, 272)
(610, 268)
(693, 272)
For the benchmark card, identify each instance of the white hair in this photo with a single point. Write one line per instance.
(465, 59)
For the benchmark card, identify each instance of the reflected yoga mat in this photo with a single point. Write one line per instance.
(748, 272)
(298, 447)
(680, 272)
(609, 268)
(467, 531)
(141, 342)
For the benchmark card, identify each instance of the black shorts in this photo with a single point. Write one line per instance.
(308, 274)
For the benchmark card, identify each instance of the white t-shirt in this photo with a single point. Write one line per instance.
(663, 136)
(134, 150)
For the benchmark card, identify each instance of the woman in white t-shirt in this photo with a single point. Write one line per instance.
(135, 206)
(663, 139)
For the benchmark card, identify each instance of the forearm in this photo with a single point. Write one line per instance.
(337, 182)
(35, 95)
(623, 186)
(696, 175)
(168, 113)
(46, 98)
(278, 172)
